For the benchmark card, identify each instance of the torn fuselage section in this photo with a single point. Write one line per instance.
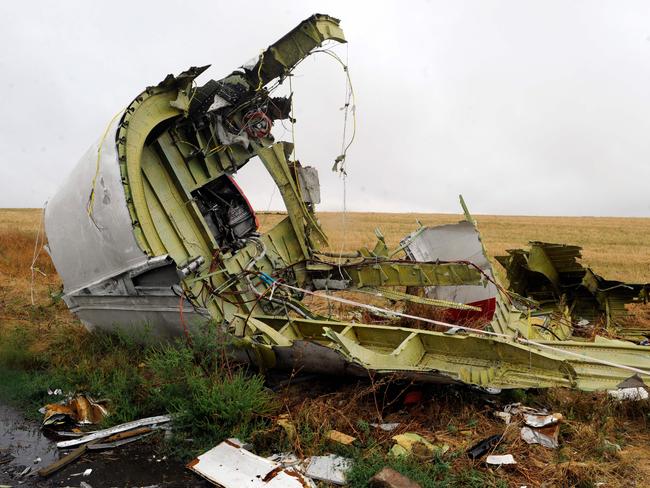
(552, 276)
(153, 232)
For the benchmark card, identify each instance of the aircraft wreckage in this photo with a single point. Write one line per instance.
(151, 230)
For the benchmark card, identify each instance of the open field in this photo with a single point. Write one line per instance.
(42, 343)
(617, 248)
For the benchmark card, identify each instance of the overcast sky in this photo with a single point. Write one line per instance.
(524, 107)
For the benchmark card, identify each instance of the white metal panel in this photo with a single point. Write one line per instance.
(233, 467)
(85, 252)
(454, 242)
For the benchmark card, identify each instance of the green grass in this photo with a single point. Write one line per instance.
(209, 399)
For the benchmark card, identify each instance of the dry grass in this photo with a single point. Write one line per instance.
(618, 248)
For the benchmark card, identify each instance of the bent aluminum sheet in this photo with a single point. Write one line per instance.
(454, 242)
(233, 467)
(89, 243)
(102, 434)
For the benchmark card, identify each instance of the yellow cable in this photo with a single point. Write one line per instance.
(259, 72)
(91, 198)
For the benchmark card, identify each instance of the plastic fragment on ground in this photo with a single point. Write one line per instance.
(482, 447)
(330, 468)
(499, 460)
(230, 466)
(101, 434)
(340, 437)
(411, 443)
(389, 478)
(546, 436)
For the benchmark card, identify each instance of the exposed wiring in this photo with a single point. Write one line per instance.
(182, 318)
(257, 124)
(91, 197)
(339, 164)
(259, 72)
(470, 330)
(38, 246)
(292, 118)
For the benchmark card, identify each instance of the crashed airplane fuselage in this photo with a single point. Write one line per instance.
(151, 231)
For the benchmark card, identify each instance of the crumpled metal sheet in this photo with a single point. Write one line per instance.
(80, 409)
(455, 242)
(330, 468)
(231, 466)
(545, 436)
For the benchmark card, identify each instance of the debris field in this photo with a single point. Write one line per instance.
(390, 358)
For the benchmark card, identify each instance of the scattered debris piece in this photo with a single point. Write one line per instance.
(230, 466)
(414, 444)
(632, 388)
(330, 468)
(285, 459)
(340, 437)
(519, 409)
(102, 434)
(631, 394)
(499, 460)
(546, 436)
(64, 461)
(83, 484)
(387, 427)
(239, 443)
(552, 275)
(505, 416)
(479, 449)
(80, 409)
(87, 472)
(288, 426)
(118, 442)
(542, 420)
(389, 478)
